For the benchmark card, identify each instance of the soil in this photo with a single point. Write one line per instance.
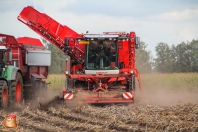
(153, 111)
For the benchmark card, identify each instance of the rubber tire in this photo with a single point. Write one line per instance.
(11, 88)
(3, 94)
(17, 91)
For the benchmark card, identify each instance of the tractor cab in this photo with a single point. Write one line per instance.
(2, 59)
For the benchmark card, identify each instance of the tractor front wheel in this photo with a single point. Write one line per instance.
(3, 94)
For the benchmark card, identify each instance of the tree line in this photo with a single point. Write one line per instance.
(182, 57)
(178, 58)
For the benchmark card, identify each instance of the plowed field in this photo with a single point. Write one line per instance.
(181, 117)
(160, 113)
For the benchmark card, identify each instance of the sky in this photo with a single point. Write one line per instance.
(154, 21)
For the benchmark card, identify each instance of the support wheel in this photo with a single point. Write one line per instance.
(131, 84)
(3, 94)
(17, 92)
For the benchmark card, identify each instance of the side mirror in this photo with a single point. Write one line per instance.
(137, 42)
(10, 56)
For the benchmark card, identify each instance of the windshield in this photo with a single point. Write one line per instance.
(1, 57)
(101, 54)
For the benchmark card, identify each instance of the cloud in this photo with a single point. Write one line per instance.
(154, 21)
(181, 25)
(179, 16)
(126, 8)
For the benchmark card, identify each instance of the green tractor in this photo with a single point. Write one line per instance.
(11, 82)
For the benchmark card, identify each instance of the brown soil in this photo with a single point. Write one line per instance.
(153, 111)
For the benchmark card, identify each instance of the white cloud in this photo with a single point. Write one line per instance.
(153, 22)
(187, 33)
(179, 16)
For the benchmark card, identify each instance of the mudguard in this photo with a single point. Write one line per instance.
(11, 72)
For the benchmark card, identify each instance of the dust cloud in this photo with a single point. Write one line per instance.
(43, 100)
(165, 97)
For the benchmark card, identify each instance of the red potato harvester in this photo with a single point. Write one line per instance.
(100, 68)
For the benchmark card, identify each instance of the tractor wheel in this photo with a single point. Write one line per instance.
(11, 88)
(3, 94)
(17, 92)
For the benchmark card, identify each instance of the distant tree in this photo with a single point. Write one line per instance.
(180, 58)
(57, 58)
(173, 58)
(163, 62)
(182, 55)
(193, 48)
(187, 56)
(143, 59)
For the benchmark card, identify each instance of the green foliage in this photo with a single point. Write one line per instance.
(163, 61)
(180, 58)
(143, 59)
(170, 81)
(157, 80)
(56, 81)
(57, 58)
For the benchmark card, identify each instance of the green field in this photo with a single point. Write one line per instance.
(172, 81)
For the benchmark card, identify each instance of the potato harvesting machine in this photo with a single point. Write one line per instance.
(99, 69)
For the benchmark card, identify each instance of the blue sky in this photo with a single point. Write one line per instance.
(154, 21)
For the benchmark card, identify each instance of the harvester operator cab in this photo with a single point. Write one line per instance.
(101, 54)
(102, 51)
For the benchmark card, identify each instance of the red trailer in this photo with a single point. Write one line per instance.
(24, 64)
(100, 68)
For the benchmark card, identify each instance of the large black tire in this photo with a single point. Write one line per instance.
(3, 94)
(17, 91)
(12, 86)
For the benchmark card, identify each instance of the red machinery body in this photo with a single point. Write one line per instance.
(100, 68)
(29, 55)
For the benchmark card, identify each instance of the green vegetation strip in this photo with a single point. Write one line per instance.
(173, 81)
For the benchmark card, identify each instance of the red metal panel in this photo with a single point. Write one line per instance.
(47, 27)
(29, 41)
(8, 39)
